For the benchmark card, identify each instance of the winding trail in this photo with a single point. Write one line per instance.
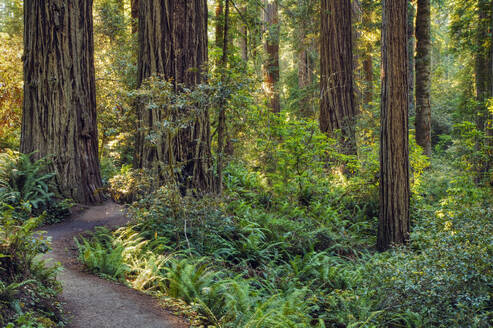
(92, 302)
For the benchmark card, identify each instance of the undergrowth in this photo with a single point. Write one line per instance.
(263, 257)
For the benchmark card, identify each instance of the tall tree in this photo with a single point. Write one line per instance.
(423, 76)
(393, 227)
(304, 14)
(219, 23)
(59, 110)
(134, 12)
(271, 46)
(243, 31)
(411, 48)
(337, 105)
(484, 78)
(221, 129)
(367, 59)
(173, 44)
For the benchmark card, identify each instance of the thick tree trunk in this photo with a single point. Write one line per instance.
(393, 225)
(173, 44)
(423, 76)
(59, 110)
(411, 47)
(271, 46)
(337, 105)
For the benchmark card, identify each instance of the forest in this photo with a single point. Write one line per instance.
(246, 163)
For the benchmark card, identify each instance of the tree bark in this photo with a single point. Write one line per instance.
(173, 45)
(134, 12)
(59, 109)
(411, 44)
(367, 59)
(482, 63)
(243, 30)
(393, 225)
(219, 23)
(423, 76)
(337, 105)
(221, 129)
(271, 63)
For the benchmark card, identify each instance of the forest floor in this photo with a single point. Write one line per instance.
(92, 302)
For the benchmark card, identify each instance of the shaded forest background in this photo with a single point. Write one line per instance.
(256, 176)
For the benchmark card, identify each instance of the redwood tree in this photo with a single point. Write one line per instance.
(59, 110)
(423, 76)
(337, 105)
(271, 46)
(393, 225)
(173, 45)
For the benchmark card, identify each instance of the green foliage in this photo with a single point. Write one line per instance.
(26, 186)
(28, 289)
(129, 185)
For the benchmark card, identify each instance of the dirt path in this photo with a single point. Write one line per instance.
(97, 303)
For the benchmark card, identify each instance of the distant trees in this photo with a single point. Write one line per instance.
(173, 45)
(337, 103)
(271, 47)
(59, 110)
(393, 227)
(423, 76)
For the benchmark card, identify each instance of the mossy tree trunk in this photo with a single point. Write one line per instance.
(393, 225)
(59, 110)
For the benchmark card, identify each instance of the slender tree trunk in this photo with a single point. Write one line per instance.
(423, 76)
(243, 29)
(219, 23)
(482, 63)
(134, 12)
(59, 110)
(221, 129)
(411, 49)
(489, 126)
(337, 106)
(173, 44)
(271, 46)
(393, 225)
(367, 61)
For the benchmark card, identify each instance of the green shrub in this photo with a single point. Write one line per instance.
(28, 287)
(26, 186)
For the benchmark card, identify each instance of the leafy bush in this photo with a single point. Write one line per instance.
(129, 185)
(26, 186)
(28, 288)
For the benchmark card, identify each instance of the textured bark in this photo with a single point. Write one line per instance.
(393, 225)
(59, 110)
(221, 129)
(271, 46)
(134, 12)
(423, 76)
(337, 105)
(173, 44)
(411, 47)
